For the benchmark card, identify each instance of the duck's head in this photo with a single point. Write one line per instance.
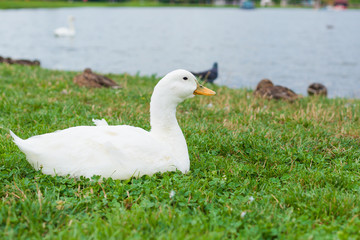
(265, 83)
(180, 85)
(317, 89)
(215, 65)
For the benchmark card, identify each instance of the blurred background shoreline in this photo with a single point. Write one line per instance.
(6, 4)
(293, 47)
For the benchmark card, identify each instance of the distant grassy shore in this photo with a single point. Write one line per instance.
(17, 4)
(259, 169)
(59, 4)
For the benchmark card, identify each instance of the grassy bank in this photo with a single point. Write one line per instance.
(259, 169)
(55, 4)
(5, 4)
(16, 4)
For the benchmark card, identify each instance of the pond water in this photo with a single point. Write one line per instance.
(292, 47)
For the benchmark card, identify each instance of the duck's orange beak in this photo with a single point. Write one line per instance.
(201, 90)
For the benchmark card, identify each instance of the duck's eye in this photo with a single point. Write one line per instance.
(185, 78)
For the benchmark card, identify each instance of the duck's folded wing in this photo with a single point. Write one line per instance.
(110, 151)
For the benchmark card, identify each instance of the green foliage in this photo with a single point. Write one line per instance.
(259, 169)
(7, 4)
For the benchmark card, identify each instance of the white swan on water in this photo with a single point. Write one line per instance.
(66, 31)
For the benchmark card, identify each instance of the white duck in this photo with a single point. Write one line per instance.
(64, 31)
(121, 151)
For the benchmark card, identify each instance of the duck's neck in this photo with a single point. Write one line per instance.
(71, 25)
(163, 116)
(164, 126)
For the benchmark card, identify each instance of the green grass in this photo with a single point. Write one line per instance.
(6, 4)
(15, 4)
(299, 162)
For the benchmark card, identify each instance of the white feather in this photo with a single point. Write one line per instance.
(101, 122)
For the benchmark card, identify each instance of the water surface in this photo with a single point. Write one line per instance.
(292, 47)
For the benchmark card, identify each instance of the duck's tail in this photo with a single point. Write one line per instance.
(21, 143)
(29, 150)
(17, 140)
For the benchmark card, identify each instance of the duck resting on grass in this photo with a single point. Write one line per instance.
(90, 79)
(266, 89)
(317, 89)
(120, 151)
(25, 62)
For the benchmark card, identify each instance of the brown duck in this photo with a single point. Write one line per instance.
(266, 89)
(317, 89)
(90, 79)
(19, 61)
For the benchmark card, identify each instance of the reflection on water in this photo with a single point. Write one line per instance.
(292, 47)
